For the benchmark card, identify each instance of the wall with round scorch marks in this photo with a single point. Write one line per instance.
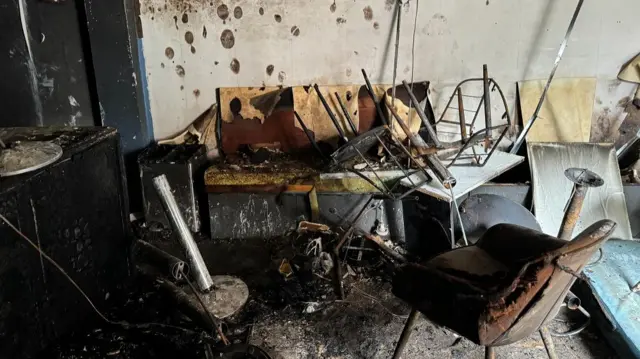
(192, 47)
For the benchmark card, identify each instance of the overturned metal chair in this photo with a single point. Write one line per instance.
(500, 290)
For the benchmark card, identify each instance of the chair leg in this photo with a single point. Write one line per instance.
(489, 353)
(406, 333)
(548, 343)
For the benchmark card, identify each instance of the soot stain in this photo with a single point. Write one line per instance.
(180, 70)
(376, 25)
(261, 11)
(204, 32)
(223, 11)
(237, 12)
(270, 70)
(295, 31)
(368, 13)
(341, 20)
(169, 53)
(193, 49)
(227, 39)
(281, 76)
(196, 93)
(185, 18)
(188, 37)
(333, 7)
(277, 17)
(175, 21)
(235, 66)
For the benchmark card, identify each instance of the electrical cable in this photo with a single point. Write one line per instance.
(121, 323)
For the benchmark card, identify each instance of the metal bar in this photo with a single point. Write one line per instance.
(489, 353)
(417, 140)
(387, 191)
(332, 116)
(395, 57)
(548, 342)
(373, 96)
(471, 140)
(309, 136)
(583, 179)
(422, 115)
(457, 108)
(463, 121)
(347, 116)
(406, 333)
(520, 140)
(410, 156)
(395, 160)
(199, 268)
(487, 99)
(572, 214)
(440, 171)
(166, 263)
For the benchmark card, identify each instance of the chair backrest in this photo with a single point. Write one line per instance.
(563, 264)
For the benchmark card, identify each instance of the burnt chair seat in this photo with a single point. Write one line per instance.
(504, 287)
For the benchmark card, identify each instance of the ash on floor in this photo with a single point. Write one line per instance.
(297, 316)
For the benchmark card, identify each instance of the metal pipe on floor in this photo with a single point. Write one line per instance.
(548, 343)
(198, 267)
(406, 333)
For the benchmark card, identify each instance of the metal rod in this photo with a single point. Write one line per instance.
(489, 353)
(419, 143)
(395, 160)
(406, 333)
(520, 140)
(332, 116)
(573, 302)
(418, 163)
(548, 342)
(432, 132)
(373, 96)
(487, 99)
(583, 179)
(463, 121)
(165, 263)
(572, 214)
(347, 116)
(455, 204)
(309, 135)
(395, 57)
(199, 268)
(441, 172)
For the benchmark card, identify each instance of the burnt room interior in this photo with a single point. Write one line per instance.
(320, 179)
